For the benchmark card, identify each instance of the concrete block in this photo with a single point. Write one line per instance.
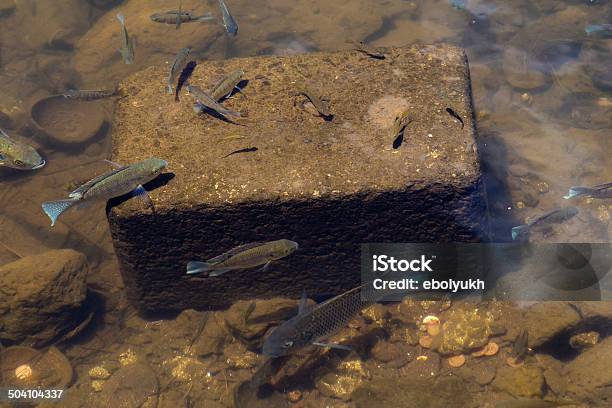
(329, 185)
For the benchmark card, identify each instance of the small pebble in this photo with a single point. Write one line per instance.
(97, 385)
(456, 361)
(431, 319)
(99, 373)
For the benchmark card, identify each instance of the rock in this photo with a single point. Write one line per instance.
(56, 28)
(521, 72)
(463, 330)
(41, 295)
(553, 373)
(413, 392)
(315, 170)
(425, 365)
(130, 387)
(584, 340)
(238, 357)
(596, 57)
(545, 320)
(99, 373)
(385, 352)
(211, 340)
(526, 381)
(248, 321)
(589, 376)
(480, 371)
(341, 382)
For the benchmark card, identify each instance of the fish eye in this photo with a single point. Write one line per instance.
(18, 162)
(287, 344)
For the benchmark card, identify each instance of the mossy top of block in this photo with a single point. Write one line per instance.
(299, 154)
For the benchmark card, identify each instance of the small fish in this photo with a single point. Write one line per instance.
(533, 403)
(90, 95)
(115, 183)
(458, 4)
(177, 66)
(553, 217)
(18, 155)
(397, 130)
(127, 43)
(315, 323)
(520, 346)
(599, 191)
(176, 18)
(367, 50)
(603, 30)
(184, 77)
(228, 21)
(203, 100)
(246, 150)
(226, 85)
(244, 257)
(321, 105)
(455, 115)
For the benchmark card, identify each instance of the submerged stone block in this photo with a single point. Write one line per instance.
(330, 185)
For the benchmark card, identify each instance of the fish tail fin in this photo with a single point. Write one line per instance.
(195, 267)
(54, 209)
(170, 91)
(519, 231)
(121, 18)
(576, 191)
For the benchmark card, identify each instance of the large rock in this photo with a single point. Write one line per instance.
(329, 185)
(589, 375)
(41, 296)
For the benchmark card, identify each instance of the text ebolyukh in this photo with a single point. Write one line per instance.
(424, 280)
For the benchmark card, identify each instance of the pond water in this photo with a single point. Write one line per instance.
(542, 95)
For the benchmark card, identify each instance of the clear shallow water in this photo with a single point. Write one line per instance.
(541, 89)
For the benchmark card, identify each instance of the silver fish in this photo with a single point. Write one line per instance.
(244, 257)
(598, 191)
(226, 85)
(18, 155)
(314, 323)
(177, 66)
(553, 217)
(115, 183)
(228, 21)
(127, 43)
(203, 100)
(90, 95)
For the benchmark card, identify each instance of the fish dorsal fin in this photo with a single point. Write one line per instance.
(604, 186)
(80, 191)
(226, 255)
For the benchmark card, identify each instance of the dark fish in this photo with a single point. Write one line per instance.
(367, 50)
(599, 191)
(203, 100)
(315, 323)
(228, 21)
(520, 347)
(90, 95)
(226, 85)
(246, 150)
(455, 115)
(176, 18)
(554, 217)
(177, 66)
(399, 127)
(321, 105)
(184, 77)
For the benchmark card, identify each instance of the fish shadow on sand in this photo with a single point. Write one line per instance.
(159, 181)
(217, 115)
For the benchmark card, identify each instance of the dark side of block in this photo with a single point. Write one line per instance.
(153, 249)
